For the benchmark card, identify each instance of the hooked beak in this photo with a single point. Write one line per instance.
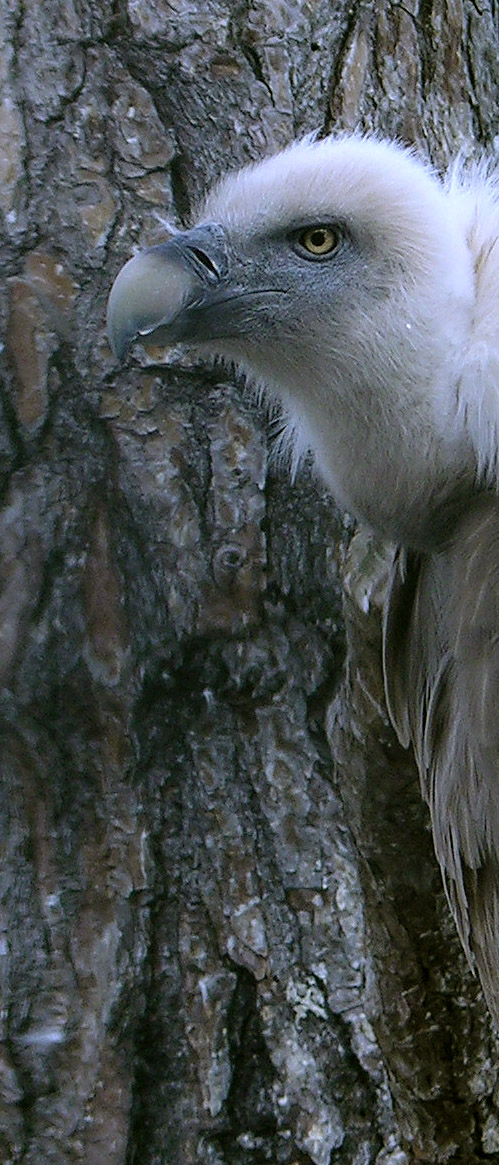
(157, 293)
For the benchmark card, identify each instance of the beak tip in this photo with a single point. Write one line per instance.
(149, 293)
(118, 341)
(121, 312)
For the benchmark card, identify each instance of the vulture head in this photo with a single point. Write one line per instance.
(361, 292)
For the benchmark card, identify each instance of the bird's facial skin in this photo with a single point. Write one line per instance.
(333, 275)
(237, 294)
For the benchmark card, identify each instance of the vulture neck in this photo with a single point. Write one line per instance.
(409, 487)
(393, 454)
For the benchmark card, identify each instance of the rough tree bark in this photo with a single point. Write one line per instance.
(224, 938)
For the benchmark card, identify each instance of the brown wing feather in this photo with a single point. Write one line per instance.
(441, 661)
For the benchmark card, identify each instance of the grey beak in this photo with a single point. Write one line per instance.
(155, 291)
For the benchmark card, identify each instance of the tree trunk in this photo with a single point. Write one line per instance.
(224, 938)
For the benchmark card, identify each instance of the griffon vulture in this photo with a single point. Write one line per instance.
(364, 294)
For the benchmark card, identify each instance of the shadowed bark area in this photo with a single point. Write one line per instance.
(223, 935)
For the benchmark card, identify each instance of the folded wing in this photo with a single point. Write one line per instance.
(441, 661)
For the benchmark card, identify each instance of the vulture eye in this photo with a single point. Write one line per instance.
(320, 240)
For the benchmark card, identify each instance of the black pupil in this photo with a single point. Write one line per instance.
(318, 238)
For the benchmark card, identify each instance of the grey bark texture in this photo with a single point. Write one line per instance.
(223, 934)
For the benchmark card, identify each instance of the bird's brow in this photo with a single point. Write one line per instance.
(280, 231)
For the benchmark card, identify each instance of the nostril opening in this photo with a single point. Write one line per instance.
(203, 258)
